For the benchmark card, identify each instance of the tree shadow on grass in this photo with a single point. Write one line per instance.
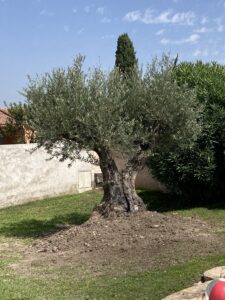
(158, 201)
(155, 201)
(165, 202)
(34, 228)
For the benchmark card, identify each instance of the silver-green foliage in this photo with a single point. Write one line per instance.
(167, 113)
(74, 110)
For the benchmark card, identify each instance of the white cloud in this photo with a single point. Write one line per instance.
(204, 20)
(87, 9)
(192, 39)
(105, 20)
(166, 17)
(80, 31)
(66, 28)
(133, 16)
(203, 30)
(160, 32)
(220, 28)
(46, 13)
(74, 10)
(101, 10)
(108, 36)
(165, 41)
(199, 52)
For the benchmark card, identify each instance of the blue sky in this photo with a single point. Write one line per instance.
(39, 35)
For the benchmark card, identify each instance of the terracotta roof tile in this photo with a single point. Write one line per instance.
(4, 116)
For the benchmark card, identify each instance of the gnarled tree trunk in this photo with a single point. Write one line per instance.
(129, 174)
(120, 196)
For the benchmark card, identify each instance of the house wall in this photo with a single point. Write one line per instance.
(26, 176)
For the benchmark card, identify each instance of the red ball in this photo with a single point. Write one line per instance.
(218, 290)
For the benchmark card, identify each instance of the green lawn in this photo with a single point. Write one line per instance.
(42, 217)
(212, 212)
(27, 222)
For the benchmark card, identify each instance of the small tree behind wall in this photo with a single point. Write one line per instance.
(71, 111)
(16, 124)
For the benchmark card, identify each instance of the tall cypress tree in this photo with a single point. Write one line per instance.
(126, 59)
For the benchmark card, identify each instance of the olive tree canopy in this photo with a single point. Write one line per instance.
(97, 111)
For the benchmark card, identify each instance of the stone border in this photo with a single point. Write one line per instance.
(197, 291)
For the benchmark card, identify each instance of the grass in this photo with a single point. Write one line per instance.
(152, 285)
(29, 221)
(38, 218)
(212, 212)
(64, 284)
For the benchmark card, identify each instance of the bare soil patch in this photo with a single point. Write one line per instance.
(132, 243)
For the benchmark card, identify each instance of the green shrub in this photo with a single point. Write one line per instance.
(198, 172)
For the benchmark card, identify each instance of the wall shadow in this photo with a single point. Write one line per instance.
(34, 228)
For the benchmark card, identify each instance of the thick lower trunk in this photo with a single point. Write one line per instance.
(114, 201)
(120, 196)
(133, 166)
(135, 203)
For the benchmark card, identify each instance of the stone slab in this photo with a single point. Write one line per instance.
(196, 292)
(214, 273)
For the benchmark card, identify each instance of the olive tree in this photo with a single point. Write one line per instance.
(72, 110)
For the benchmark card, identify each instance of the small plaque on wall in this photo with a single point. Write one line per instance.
(85, 179)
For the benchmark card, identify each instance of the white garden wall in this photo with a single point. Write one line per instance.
(26, 176)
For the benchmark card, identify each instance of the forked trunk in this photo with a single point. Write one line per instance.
(120, 196)
(114, 201)
(133, 166)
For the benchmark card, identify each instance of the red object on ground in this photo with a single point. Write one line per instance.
(217, 292)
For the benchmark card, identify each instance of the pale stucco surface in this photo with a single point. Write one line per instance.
(27, 176)
(144, 178)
